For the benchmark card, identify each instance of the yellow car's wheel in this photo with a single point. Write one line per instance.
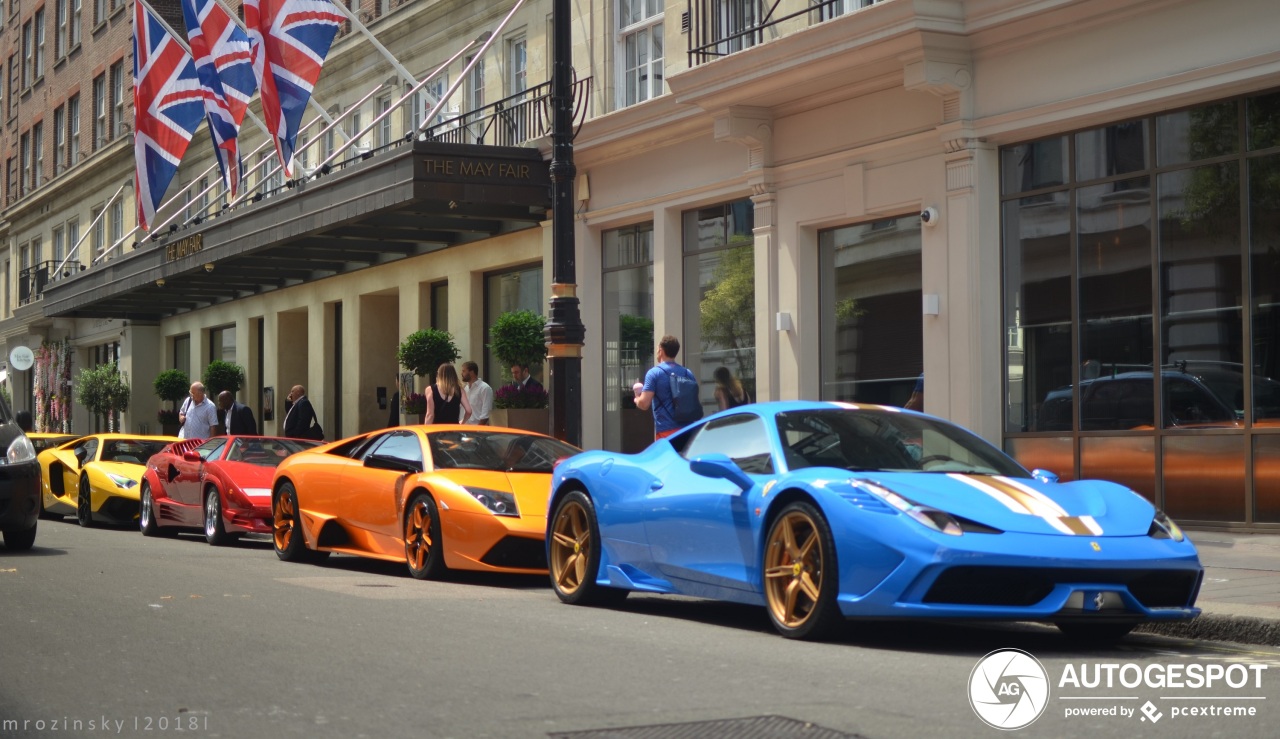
(84, 503)
(423, 545)
(574, 549)
(800, 579)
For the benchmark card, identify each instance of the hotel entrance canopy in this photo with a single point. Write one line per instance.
(412, 200)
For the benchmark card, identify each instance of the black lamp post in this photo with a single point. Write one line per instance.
(564, 331)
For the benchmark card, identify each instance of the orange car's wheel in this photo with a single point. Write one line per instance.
(423, 545)
(800, 579)
(84, 503)
(575, 554)
(291, 545)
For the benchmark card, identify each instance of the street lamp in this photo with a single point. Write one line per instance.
(564, 331)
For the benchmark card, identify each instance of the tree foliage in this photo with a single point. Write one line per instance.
(422, 352)
(103, 389)
(220, 375)
(516, 338)
(729, 307)
(172, 385)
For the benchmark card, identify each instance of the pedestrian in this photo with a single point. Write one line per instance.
(198, 415)
(237, 417)
(521, 378)
(916, 401)
(300, 422)
(478, 393)
(729, 391)
(670, 390)
(446, 402)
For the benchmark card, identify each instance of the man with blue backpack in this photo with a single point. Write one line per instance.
(671, 390)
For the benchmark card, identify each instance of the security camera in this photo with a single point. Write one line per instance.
(929, 216)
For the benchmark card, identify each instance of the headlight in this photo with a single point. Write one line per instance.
(1163, 527)
(498, 502)
(940, 521)
(121, 481)
(20, 451)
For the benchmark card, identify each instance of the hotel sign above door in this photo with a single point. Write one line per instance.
(184, 247)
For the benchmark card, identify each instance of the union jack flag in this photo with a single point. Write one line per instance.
(167, 108)
(224, 64)
(291, 39)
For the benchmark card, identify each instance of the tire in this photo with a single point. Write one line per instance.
(147, 511)
(20, 540)
(800, 574)
(1102, 632)
(423, 544)
(215, 529)
(290, 544)
(574, 549)
(84, 504)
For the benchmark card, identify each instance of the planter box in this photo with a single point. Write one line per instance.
(529, 419)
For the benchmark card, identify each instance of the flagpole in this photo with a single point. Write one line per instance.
(395, 63)
(85, 235)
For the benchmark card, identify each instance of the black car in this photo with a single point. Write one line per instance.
(19, 484)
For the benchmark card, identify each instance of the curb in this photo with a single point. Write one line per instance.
(1218, 627)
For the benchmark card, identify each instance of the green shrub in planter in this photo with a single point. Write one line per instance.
(422, 352)
(220, 375)
(172, 385)
(516, 338)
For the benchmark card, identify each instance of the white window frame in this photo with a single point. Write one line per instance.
(59, 139)
(641, 31)
(117, 99)
(517, 65)
(73, 130)
(60, 31)
(77, 19)
(382, 134)
(37, 154)
(39, 24)
(99, 111)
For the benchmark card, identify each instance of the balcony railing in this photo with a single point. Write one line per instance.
(722, 27)
(511, 121)
(32, 280)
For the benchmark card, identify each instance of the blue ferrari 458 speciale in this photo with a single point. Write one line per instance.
(823, 512)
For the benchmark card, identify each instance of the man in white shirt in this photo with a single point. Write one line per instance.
(198, 415)
(479, 394)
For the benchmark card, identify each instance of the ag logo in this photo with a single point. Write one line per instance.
(1008, 689)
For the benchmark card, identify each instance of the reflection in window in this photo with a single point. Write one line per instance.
(719, 278)
(872, 348)
(742, 438)
(627, 255)
(1264, 255)
(504, 292)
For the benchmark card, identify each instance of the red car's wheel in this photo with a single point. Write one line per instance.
(423, 545)
(800, 574)
(575, 554)
(215, 530)
(147, 511)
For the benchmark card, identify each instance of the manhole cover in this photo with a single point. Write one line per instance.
(755, 727)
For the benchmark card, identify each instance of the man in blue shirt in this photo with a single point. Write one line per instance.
(655, 393)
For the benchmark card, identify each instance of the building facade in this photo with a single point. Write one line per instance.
(1090, 289)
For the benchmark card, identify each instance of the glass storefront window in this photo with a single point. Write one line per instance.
(182, 353)
(1035, 165)
(504, 292)
(627, 256)
(872, 329)
(440, 310)
(1037, 306)
(1200, 133)
(719, 278)
(222, 344)
(1264, 263)
(1263, 115)
(1113, 222)
(1114, 150)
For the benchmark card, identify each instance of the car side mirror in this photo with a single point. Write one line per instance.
(720, 466)
(192, 457)
(395, 464)
(1044, 476)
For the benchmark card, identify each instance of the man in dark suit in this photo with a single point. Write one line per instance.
(520, 373)
(300, 422)
(237, 417)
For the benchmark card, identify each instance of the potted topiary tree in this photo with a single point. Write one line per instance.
(104, 390)
(219, 376)
(171, 385)
(422, 353)
(516, 338)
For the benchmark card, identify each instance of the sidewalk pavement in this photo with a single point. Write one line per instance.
(1240, 596)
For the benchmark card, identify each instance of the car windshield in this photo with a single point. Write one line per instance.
(130, 451)
(888, 441)
(497, 451)
(266, 452)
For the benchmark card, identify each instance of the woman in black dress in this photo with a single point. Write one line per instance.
(446, 401)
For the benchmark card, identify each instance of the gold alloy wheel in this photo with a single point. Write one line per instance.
(570, 547)
(793, 569)
(283, 529)
(417, 535)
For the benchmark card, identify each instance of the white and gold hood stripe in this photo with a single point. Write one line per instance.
(1023, 499)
